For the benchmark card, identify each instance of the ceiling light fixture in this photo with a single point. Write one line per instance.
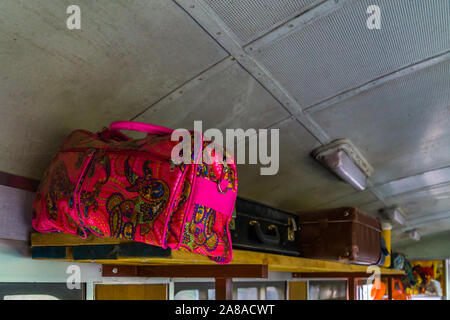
(413, 234)
(345, 160)
(395, 214)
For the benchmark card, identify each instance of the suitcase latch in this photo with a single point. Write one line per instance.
(292, 227)
(233, 224)
(233, 220)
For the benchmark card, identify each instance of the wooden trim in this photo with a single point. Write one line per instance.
(331, 275)
(14, 181)
(445, 270)
(187, 271)
(275, 262)
(351, 288)
(224, 289)
(69, 240)
(119, 271)
(389, 287)
(346, 275)
(131, 291)
(297, 290)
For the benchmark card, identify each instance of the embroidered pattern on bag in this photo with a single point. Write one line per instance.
(61, 188)
(179, 207)
(226, 256)
(199, 233)
(89, 198)
(153, 194)
(126, 214)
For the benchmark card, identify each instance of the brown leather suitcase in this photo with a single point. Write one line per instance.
(341, 234)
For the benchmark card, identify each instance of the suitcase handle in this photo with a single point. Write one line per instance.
(264, 238)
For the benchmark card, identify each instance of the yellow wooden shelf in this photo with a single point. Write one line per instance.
(273, 261)
(64, 239)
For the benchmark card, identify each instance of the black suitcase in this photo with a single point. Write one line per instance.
(258, 227)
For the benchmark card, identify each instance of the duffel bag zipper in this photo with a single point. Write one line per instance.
(84, 171)
(128, 152)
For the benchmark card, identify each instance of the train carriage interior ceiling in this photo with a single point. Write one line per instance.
(310, 68)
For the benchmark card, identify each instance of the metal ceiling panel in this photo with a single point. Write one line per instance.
(224, 97)
(430, 218)
(356, 199)
(430, 228)
(338, 52)
(301, 183)
(127, 55)
(424, 203)
(427, 210)
(402, 127)
(432, 247)
(248, 19)
(419, 181)
(372, 208)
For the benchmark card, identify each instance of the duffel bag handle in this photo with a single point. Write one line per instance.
(145, 127)
(140, 126)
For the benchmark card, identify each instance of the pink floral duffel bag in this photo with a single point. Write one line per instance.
(109, 185)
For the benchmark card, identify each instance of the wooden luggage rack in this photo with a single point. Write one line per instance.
(122, 258)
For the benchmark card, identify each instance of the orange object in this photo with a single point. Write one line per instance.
(399, 293)
(378, 290)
